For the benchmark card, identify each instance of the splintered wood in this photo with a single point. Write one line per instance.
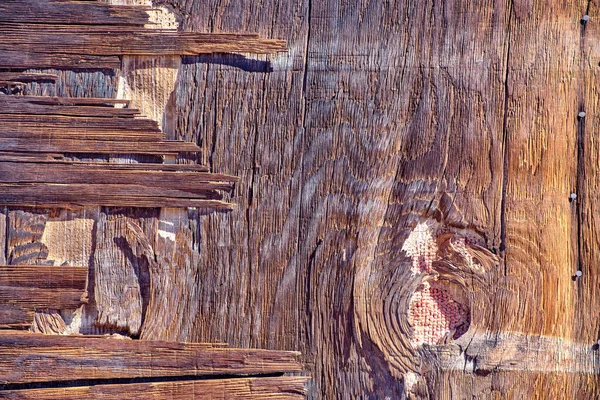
(53, 360)
(272, 388)
(54, 153)
(44, 125)
(25, 289)
(92, 34)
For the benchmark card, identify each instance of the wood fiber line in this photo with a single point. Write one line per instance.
(29, 357)
(276, 388)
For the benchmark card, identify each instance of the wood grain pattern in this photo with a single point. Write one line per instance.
(277, 388)
(30, 357)
(383, 116)
(71, 13)
(58, 39)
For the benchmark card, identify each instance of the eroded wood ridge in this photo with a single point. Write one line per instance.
(27, 288)
(272, 388)
(59, 358)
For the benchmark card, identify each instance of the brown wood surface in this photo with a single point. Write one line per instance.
(277, 388)
(32, 357)
(382, 116)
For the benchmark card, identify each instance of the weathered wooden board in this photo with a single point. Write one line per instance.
(27, 288)
(276, 388)
(193, 182)
(71, 13)
(101, 41)
(78, 195)
(51, 145)
(12, 58)
(456, 111)
(30, 357)
(382, 116)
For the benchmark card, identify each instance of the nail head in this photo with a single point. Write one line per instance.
(573, 196)
(581, 114)
(578, 274)
(585, 18)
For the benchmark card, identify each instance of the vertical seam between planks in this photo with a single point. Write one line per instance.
(504, 145)
(6, 232)
(301, 165)
(579, 178)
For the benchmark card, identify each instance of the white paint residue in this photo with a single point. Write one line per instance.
(166, 229)
(410, 380)
(421, 246)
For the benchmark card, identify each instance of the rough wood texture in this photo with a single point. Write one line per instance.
(390, 121)
(30, 357)
(94, 33)
(388, 114)
(100, 41)
(277, 388)
(27, 288)
(38, 124)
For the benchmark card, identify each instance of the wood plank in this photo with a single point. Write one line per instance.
(13, 172)
(50, 145)
(66, 101)
(24, 77)
(53, 160)
(16, 59)
(71, 12)
(272, 388)
(28, 105)
(15, 123)
(43, 276)
(56, 358)
(587, 201)
(540, 173)
(56, 39)
(53, 195)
